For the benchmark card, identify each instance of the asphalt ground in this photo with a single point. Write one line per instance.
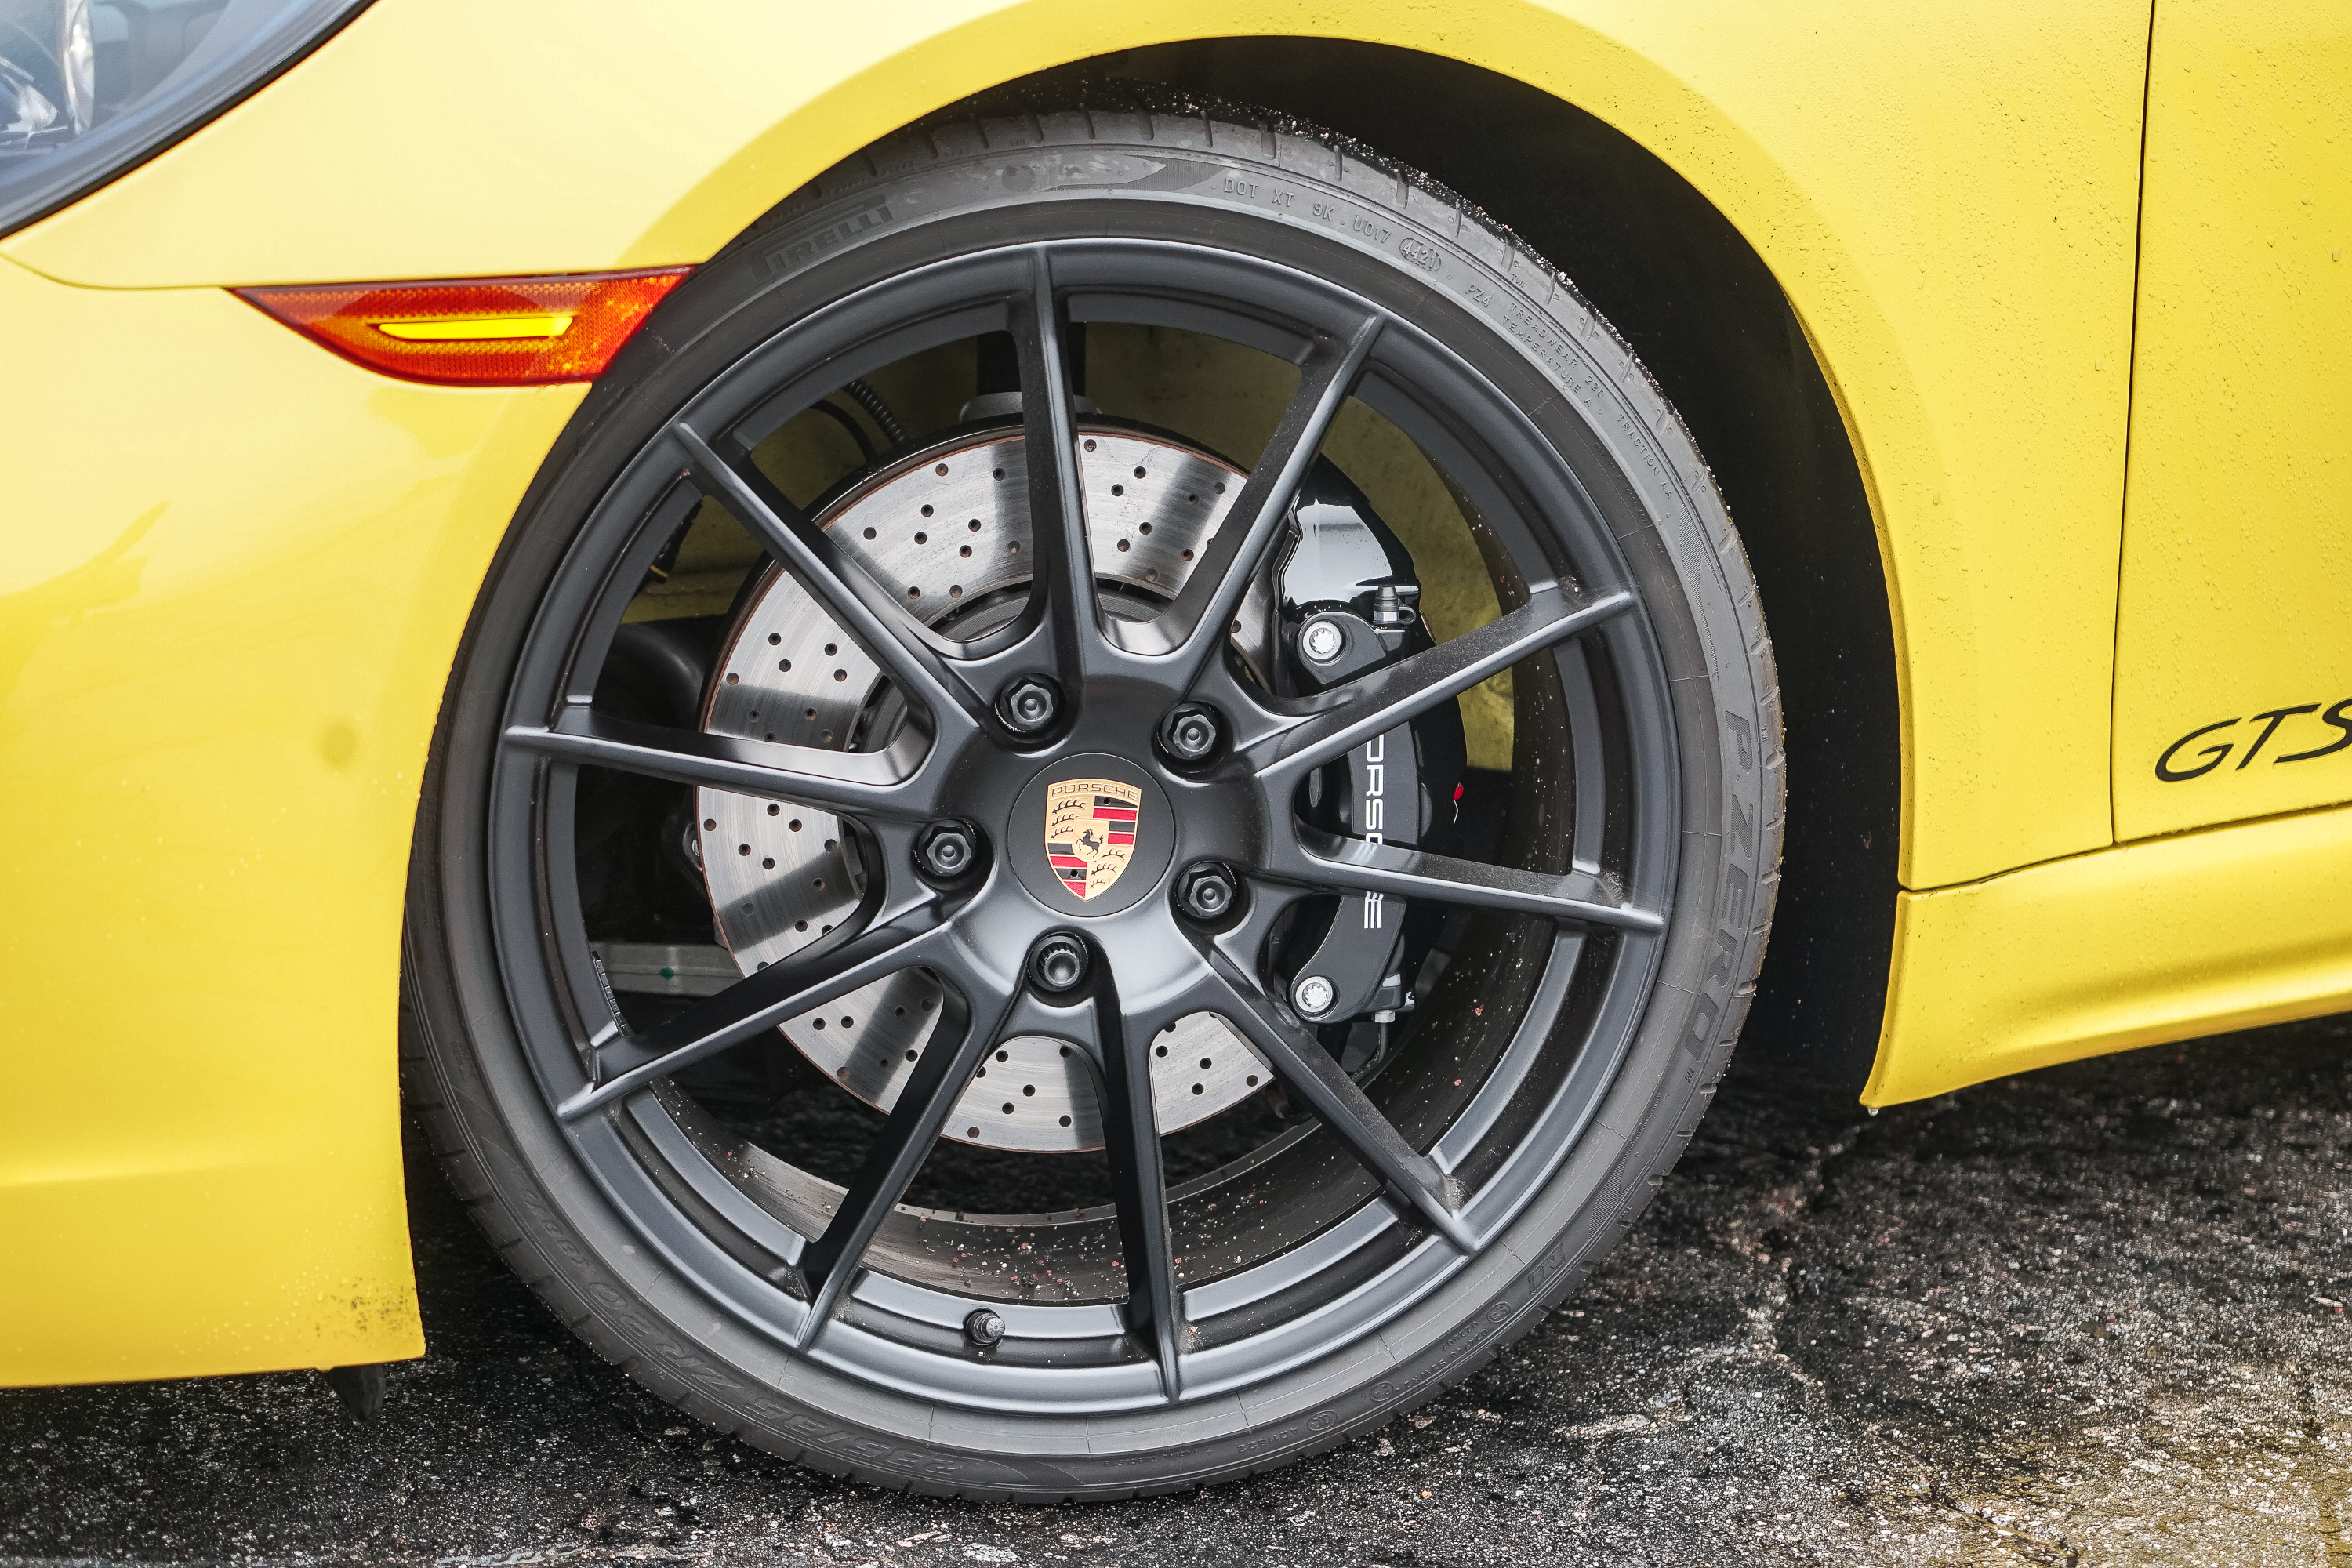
(2086, 1316)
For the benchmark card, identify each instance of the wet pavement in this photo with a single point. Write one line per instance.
(2088, 1316)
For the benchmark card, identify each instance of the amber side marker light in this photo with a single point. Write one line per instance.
(476, 331)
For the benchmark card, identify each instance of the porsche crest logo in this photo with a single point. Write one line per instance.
(1090, 832)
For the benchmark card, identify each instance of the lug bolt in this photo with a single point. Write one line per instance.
(1058, 963)
(1029, 704)
(1313, 996)
(1322, 640)
(945, 849)
(1206, 891)
(1190, 732)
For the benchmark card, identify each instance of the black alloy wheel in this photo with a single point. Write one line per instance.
(1016, 983)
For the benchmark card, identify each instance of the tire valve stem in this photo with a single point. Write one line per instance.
(983, 1328)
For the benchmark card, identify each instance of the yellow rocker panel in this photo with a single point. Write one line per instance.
(2136, 945)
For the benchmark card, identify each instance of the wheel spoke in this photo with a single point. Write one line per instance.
(964, 1035)
(855, 955)
(1347, 715)
(902, 645)
(1194, 625)
(1335, 864)
(890, 785)
(1120, 1055)
(1063, 586)
(1313, 1076)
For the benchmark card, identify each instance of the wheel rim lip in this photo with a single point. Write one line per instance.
(1503, 1194)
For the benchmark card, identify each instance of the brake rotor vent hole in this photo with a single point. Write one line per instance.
(1090, 444)
(775, 637)
(927, 511)
(940, 470)
(775, 810)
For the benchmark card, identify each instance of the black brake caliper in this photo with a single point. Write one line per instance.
(1348, 602)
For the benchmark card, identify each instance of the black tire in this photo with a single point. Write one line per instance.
(1388, 235)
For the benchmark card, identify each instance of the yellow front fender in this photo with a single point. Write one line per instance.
(239, 567)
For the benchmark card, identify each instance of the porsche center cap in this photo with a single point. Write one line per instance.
(1091, 835)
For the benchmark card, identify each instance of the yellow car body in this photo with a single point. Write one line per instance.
(2075, 278)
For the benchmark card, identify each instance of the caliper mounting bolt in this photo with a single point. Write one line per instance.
(1322, 639)
(1313, 996)
(1057, 963)
(1190, 732)
(1028, 705)
(1205, 891)
(945, 849)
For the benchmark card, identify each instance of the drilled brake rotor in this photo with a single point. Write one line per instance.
(947, 530)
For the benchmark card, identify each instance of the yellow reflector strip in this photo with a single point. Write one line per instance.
(477, 329)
